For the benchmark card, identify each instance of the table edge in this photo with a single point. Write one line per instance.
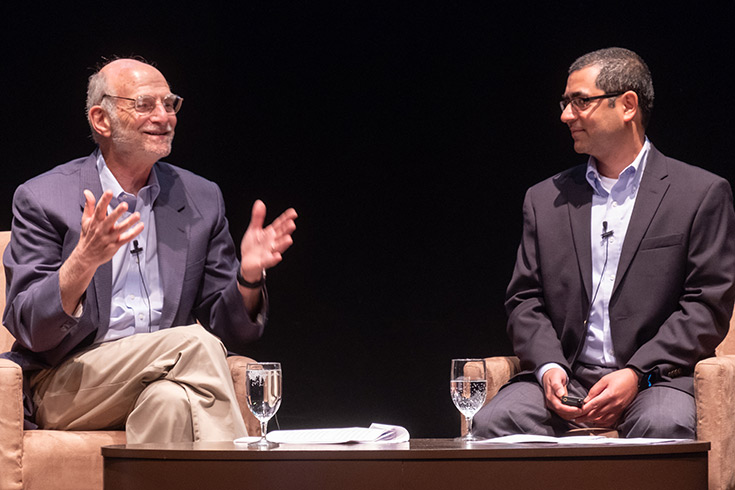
(417, 449)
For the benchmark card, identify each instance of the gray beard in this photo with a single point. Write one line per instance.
(124, 144)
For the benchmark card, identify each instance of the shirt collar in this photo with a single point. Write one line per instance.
(147, 194)
(631, 175)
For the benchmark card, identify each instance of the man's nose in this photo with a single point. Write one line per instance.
(159, 111)
(568, 114)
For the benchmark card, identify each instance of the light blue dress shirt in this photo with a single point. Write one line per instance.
(612, 207)
(137, 297)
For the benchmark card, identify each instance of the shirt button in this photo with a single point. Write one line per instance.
(615, 204)
(140, 317)
(612, 277)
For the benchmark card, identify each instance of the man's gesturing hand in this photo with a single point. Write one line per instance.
(101, 236)
(261, 248)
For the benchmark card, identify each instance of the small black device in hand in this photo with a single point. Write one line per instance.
(573, 401)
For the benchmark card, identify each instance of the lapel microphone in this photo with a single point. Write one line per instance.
(137, 248)
(605, 234)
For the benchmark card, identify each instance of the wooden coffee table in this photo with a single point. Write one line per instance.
(421, 464)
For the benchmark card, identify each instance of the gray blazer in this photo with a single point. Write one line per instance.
(196, 256)
(674, 288)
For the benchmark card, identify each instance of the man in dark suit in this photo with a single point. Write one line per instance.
(625, 273)
(109, 253)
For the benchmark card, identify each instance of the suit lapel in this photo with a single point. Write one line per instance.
(102, 279)
(652, 191)
(172, 234)
(579, 203)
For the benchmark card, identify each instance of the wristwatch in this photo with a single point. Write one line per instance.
(250, 285)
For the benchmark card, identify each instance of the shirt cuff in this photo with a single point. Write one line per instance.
(78, 312)
(542, 370)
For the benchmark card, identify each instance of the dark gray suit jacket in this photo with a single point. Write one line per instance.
(196, 257)
(675, 284)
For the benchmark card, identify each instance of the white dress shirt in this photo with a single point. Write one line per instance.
(612, 207)
(137, 298)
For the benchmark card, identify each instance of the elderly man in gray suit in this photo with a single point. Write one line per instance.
(624, 276)
(112, 251)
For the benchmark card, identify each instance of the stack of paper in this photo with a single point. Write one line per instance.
(376, 433)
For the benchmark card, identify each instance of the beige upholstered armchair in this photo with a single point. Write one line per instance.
(45, 459)
(714, 391)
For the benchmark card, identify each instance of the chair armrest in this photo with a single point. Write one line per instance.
(714, 391)
(11, 424)
(498, 371)
(237, 369)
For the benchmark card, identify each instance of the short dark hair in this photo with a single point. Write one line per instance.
(621, 70)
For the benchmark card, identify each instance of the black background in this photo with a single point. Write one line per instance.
(404, 134)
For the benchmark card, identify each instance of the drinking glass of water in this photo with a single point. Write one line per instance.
(468, 386)
(263, 395)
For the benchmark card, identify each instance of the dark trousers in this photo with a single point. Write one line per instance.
(520, 408)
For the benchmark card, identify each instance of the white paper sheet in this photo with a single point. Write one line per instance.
(376, 433)
(529, 438)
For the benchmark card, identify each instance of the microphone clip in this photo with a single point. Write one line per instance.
(137, 249)
(606, 234)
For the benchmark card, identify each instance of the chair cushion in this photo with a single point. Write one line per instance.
(65, 459)
(714, 390)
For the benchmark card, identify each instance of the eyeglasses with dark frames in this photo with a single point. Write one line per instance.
(582, 103)
(145, 104)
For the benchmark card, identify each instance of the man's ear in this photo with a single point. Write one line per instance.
(100, 121)
(629, 103)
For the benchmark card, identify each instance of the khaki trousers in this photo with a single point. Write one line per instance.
(173, 385)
